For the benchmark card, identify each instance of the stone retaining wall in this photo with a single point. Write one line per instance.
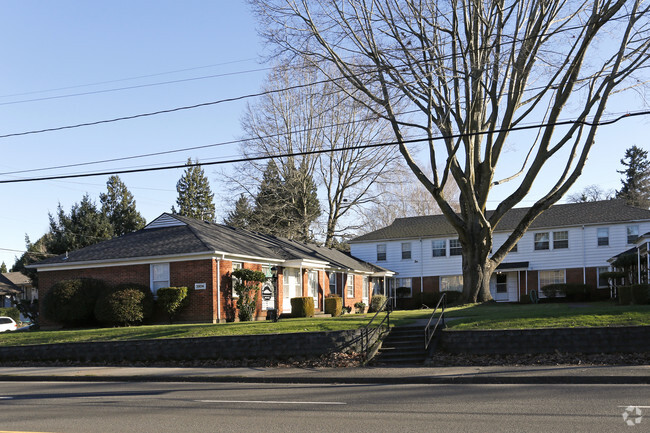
(269, 346)
(625, 339)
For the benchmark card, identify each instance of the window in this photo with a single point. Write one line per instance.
(439, 248)
(551, 277)
(451, 283)
(406, 250)
(349, 285)
(502, 282)
(602, 282)
(632, 234)
(603, 237)
(514, 248)
(405, 283)
(381, 252)
(332, 278)
(560, 240)
(455, 249)
(159, 276)
(235, 266)
(541, 241)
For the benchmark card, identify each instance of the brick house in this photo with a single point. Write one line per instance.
(174, 250)
(569, 243)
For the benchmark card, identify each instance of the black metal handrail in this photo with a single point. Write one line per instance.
(428, 333)
(366, 332)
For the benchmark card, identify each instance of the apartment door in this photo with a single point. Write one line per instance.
(290, 287)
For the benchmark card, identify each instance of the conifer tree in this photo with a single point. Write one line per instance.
(194, 194)
(3, 268)
(118, 205)
(636, 185)
(242, 215)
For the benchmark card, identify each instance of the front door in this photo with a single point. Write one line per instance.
(290, 287)
(501, 292)
(313, 287)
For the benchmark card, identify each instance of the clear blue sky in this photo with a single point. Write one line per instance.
(68, 45)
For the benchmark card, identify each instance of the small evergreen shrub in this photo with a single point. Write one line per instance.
(72, 302)
(333, 305)
(171, 300)
(452, 296)
(302, 307)
(577, 292)
(360, 307)
(635, 294)
(121, 307)
(148, 303)
(376, 303)
(12, 312)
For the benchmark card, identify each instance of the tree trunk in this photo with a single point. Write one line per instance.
(477, 266)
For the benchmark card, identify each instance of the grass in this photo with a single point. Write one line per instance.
(476, 316)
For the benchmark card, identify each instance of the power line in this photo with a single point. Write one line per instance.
(320, 151)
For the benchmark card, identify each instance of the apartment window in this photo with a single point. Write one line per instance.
(381, 252)
(632, 234)
(560, 240)
(349, 285)
(235, 266)
(551, 277)
(455, 249)
(406, 250)
(332, 279)
(406, 283)
(451, 283)
(439, 248)
(159, 274)
(541, 241)
(602, 282)
(514, 248)
(603, 237)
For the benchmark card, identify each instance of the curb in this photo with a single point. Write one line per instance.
(408, 380)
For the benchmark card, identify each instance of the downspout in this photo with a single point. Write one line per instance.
(584, 258)
(638, 265)
(218, 290)
(421, 273)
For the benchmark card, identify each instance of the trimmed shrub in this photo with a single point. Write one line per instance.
(302, 307)
(72, 302)
(635, 294)
(148, 303)
(453, 296)
(122, 307)
(360, 307)
(333, 305)
(577, 292)
(171, 300)
(376, 303)
(12, 312)
(553, 290)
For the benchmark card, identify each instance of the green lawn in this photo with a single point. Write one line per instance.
(486, 316)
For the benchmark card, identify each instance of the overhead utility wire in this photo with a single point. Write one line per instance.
(320, 151)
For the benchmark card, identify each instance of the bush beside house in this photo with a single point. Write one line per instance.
(302, 306)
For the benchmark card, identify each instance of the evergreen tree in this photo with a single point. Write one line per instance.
(636, 185)
(304, 208)
(36, 251)
(3, 268)
(270, 204)
(118, 205)
(242, 215)
(85, 225)
(194, 194)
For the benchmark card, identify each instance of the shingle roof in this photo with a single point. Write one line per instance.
(18, 278)
(562, 215)
(196, 237)
(7, 287)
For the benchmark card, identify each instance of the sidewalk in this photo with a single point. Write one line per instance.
(567, 374)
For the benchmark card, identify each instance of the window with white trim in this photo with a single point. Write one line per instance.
(235, 266)
(406, 283)
(406, 250)
(551, 277)
(349, 285)
(332, 279)
(439, 247)
(560, 240)
(602, 282)
(632, 234)
(159, 276)
(381, 252)
(455, 248)
(451, 283)
(603, 236)
(542, 241)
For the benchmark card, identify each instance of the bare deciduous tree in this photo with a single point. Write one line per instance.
(317, 118)
(474, 70)
(590, 193)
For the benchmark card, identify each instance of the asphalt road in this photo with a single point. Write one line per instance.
(218, 407)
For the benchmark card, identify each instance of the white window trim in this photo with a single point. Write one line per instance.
(239, 265)
(549, 241)
(449, 276)
(598, 237)
(567, 240)
(539, 271)
(332, 275)
(410, 250)
(151, 277)
(607, 269)
(410, 286)
(349, 282)
(627, 237)
(444, 248)
(385, 252)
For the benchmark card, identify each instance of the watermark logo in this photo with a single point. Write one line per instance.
(632, 415)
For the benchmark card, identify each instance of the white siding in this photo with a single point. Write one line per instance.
(583, 251)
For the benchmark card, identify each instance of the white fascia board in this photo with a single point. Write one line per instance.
(149, 260)
(304, 263)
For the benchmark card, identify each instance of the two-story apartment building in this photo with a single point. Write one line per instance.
(569, 243)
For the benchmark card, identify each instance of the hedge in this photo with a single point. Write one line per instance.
(12, 312)
(333, 305)
(635, 294)
(171, 300)
(148, 303)
(121, 307)
(72, 302)
(302, 307)
(376, 303)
